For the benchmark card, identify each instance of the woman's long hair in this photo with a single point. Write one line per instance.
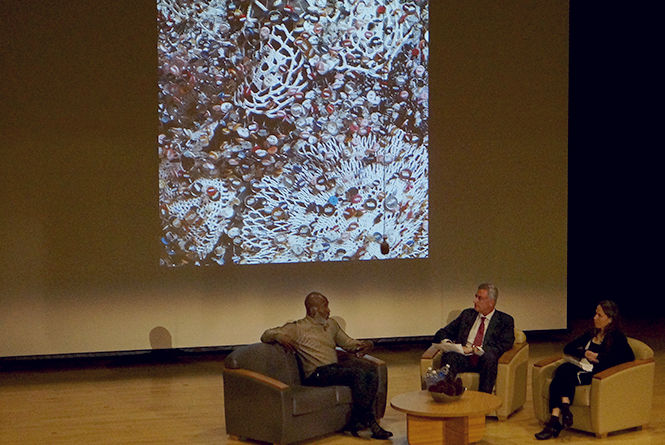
(611, 309)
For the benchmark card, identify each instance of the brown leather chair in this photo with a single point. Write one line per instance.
(265, 400)
(511, 376)
(618, 398)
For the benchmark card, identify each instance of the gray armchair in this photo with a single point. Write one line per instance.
(265, 400)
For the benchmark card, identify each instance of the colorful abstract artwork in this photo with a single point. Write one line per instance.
(292, 131)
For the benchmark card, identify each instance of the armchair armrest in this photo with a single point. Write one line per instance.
(255, 403)
(511, 379)
(542, 371)
(621, 396)
(342, 355)
(546, 361)
(430, 352)
(510, 354)
(246, 374)
(609, 372)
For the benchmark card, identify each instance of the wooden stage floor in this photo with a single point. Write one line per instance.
(179, 400)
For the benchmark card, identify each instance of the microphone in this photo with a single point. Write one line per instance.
(385, 248)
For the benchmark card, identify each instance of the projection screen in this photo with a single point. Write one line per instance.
(80, 228)
(292, 131)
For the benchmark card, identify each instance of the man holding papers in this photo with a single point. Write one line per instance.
(476, 339)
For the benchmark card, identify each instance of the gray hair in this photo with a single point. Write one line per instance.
(492, 290)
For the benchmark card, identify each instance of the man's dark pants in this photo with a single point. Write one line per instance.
(363, 384)
(487, 367)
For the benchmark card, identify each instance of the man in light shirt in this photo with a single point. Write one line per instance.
(480, 335)
(314, 338)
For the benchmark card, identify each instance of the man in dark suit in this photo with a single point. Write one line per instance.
(482, 335)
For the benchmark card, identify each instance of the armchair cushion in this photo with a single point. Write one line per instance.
(308, 399)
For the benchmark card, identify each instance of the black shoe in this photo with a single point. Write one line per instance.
(378, 432)
(566, 416)
(552, 429)
(353, 428)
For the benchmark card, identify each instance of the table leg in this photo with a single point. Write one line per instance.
(476, 428)
(424, 430)
(451, 430)
(456, 431)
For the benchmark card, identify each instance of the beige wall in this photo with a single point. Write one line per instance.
(79, 228)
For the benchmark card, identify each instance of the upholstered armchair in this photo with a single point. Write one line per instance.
(264, 399)
(511, 375)
(617, 398)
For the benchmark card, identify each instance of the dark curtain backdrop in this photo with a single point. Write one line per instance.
(614, 167)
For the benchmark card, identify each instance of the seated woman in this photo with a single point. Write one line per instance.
(598, 349)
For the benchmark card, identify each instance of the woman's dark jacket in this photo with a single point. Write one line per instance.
(612, 351)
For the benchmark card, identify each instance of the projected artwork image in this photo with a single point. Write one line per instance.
(292, 130)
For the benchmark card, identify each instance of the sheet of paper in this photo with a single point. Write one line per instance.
(584, 363)
(447, 346)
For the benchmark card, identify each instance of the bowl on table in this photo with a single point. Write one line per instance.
(442, 397)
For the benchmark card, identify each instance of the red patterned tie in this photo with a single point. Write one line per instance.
(478, 341)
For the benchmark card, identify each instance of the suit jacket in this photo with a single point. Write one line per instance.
(499, 335)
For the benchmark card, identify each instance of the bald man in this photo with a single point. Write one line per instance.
(314, 338)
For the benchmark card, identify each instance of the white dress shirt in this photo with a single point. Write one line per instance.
(476, 326)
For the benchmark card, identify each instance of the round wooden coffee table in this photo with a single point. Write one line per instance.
(459, 422)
